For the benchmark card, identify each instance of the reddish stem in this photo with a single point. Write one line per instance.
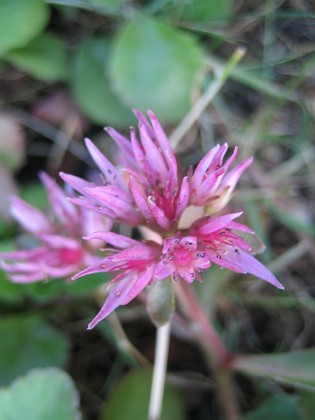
(206, 334)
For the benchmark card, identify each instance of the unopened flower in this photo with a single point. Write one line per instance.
(136, 266)
(56, 247)
(148, 190)
(211, 184)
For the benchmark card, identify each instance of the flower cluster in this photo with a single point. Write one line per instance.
(144, 188)
(56, 248)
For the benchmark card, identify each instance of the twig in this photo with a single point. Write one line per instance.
(206, 98)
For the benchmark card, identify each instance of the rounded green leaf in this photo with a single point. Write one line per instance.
(44, 57)
(91, 86)
(41, 394)
(276, 407)
(155, 66)
(21, 21)
(213, 11)
(29, 343)
(130, 399)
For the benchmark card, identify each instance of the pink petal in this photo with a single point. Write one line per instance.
(246, 263)
(156, 164)
(140, 200)
(29, 217)
(159, 133)
(75, 182)
(119, 206)
(137, 253)
(109, 170)
(114, 239)
(141, 118)
(142, 281)
(163, 269)
(209, 226)
(117, 295)
(159, 215)
(203, 166)
(65, 211)
(58, 241)
(182, 200)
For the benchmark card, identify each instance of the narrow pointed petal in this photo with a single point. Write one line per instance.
(57, 241)
(249, 264)
(206, 227)
(75, 182)
(159, 133)
(120, 207)
(122, 142)
(153, 156)
(115, 298)
(62, 207)
(144, 121)
(93, 205)
(29, 217)
(159, 215)
(105, 166)
(140, 200)
(141, 282)
(114, 239)
(203, 166)
(183, 198)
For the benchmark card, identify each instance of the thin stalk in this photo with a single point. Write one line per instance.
(219, 356)
(205, 332)
(123, 342)
(159, 371)
(204, 100)
(226, 394)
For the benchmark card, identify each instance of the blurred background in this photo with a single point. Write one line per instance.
(68, 68)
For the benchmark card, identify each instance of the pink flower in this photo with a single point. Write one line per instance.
(58, 249)
(147, 190)
(135, 263)
(182, 257)
(211, 241)
(211, 184)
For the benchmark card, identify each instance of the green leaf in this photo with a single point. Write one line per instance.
(155, 66)
(214, 11)
(306, 405)
(29, 343)
(82, 286)
(277, 407)
(9, 291)
(294, 368)
(44, 57)
(107, 3)
(35, 194)
(91, 87)
(21, 21)
(47, 394)
(130, 399)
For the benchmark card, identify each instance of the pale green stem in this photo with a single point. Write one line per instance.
(204, 100)
(159, 371)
